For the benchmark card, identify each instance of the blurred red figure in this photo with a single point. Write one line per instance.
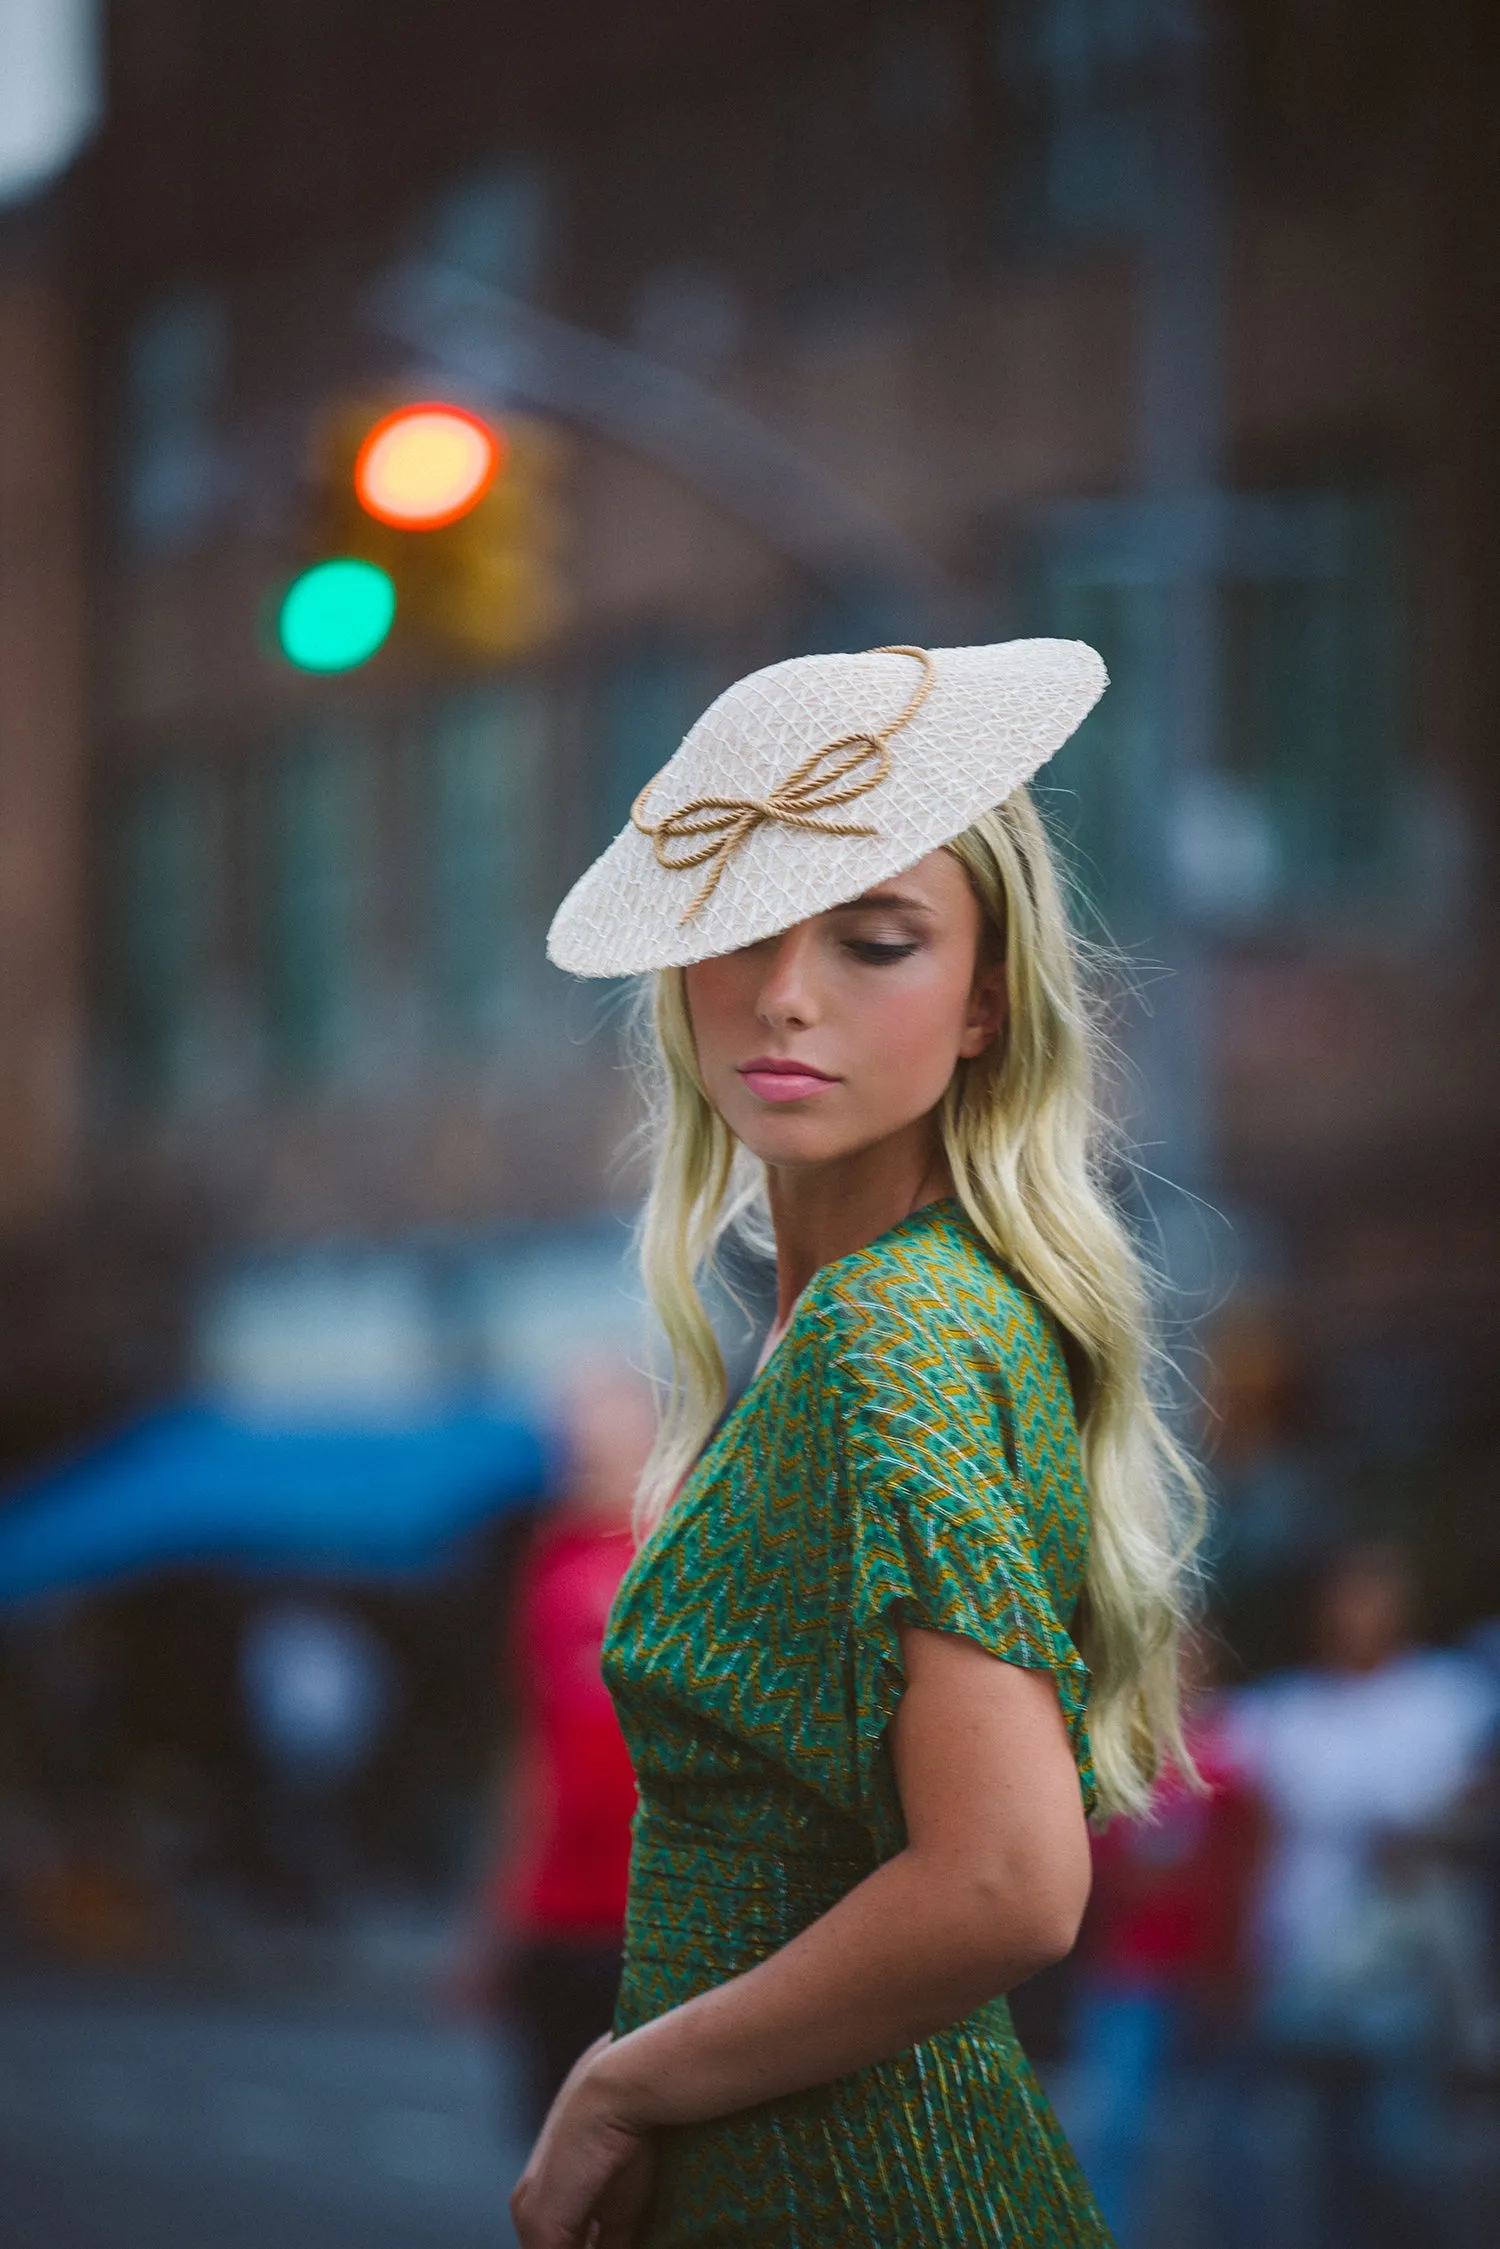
(553, 1899)
(1172, 1895)
(1163, 1948)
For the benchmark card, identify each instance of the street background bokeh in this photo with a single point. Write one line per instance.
(1169, 324)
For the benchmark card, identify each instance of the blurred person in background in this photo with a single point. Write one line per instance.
(544, 1945)
(1483, 1836)
(1268, 1521)
(1162, 1956)
(319, 1691)
(1362, 1943)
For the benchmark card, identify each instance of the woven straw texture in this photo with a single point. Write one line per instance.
(992, 717)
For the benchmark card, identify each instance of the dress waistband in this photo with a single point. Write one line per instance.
(745, 1863)
(688, 1880)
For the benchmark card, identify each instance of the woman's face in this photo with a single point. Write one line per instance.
(846, 1028)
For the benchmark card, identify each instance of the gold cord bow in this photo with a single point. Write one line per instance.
(814, 787)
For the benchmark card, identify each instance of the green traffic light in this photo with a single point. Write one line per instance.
(336, 615)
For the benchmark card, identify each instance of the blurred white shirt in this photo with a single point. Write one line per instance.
(1344, 1760)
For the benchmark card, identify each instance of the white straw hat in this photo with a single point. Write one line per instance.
(809, 781)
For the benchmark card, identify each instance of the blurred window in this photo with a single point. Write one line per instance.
(1082, 80)
(173, 469)
(484, 764)
(1306, 813)
(1104, 789)
(317, 839)
(163, 851)
(647, 702)
(853, 613)
(1315, 700)
(495, 227)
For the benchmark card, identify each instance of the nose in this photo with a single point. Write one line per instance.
(786, 997)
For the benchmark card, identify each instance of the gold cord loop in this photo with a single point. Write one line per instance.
(860, 762)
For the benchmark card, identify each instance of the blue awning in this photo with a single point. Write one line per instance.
(192, 1485)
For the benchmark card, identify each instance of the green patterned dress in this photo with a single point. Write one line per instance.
(908, 1452)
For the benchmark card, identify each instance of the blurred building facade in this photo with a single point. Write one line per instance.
(842, 323)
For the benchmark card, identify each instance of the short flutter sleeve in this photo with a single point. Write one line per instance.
(961, 1490)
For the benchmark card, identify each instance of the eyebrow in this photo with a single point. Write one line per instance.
(902, 898)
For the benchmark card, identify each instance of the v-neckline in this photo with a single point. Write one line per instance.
(923, 1210)
(730, 1424)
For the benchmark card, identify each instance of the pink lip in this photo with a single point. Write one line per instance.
(771, 1079)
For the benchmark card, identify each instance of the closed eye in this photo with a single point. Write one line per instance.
(877, 951)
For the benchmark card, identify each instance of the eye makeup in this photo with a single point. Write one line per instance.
(878, 951)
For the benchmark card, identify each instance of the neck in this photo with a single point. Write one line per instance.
(823, 1211)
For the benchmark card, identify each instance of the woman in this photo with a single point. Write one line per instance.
(896, 1627)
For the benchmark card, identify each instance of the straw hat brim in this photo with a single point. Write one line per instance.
(990, 717)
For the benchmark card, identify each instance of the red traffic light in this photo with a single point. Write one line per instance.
(426, 465)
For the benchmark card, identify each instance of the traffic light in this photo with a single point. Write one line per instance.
(462, 519)
(424, 466)
(336, 615)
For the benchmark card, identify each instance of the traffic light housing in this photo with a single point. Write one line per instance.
(481, 576)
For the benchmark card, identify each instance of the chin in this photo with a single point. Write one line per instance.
(787, 1147)
(785, 1139)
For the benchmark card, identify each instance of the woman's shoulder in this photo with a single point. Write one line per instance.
(932, 1281)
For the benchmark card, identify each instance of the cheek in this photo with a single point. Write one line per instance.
(911, 1035)
(715, 1008)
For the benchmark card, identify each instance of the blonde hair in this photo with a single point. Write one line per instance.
(1028, 1150)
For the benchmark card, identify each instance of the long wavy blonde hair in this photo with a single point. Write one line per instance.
(1029, 1151)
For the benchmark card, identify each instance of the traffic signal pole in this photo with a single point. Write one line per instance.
(509, 353)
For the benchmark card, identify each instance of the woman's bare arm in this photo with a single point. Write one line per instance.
(990, 1887)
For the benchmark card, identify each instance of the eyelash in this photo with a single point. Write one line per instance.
(878, 953)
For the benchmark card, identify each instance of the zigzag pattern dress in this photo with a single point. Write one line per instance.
(908, 1452)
